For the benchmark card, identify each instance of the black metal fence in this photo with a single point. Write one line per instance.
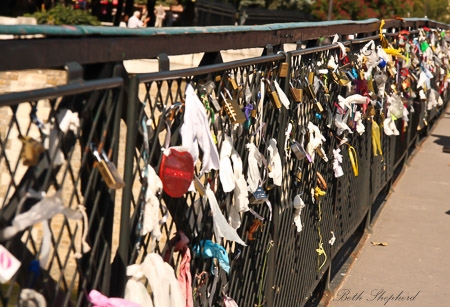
(279, 266)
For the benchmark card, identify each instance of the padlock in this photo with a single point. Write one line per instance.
(108, 170)
(394, 87)
(361, 74)
(370, 85)
(312, 95)
(233, 110)
(298, 150)
(335, 77)
(254, 113)
(233, 83)
(325, 88)
(284, 70)
(218, 78)
(258, 197)
(311, 77)
(318, 107)
(214, 102)
(319, 152)
(321, 182)
(310, 91)
(199, 186)
(31, 151)
(298, 175)
(273, 95)
(297, 94)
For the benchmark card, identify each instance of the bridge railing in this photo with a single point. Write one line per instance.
(70, 139)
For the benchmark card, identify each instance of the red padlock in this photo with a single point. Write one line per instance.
(176, 172)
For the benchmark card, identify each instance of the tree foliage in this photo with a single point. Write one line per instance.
(64, 15)
(360, 9)
(363, 9)
(434, 9)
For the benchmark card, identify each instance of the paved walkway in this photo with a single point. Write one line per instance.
(416, 225)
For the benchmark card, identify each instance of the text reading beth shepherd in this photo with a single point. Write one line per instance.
(375, 295)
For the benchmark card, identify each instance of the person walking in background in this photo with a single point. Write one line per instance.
(144, 15)
(160, 14)
(135, 22)
(124, 21)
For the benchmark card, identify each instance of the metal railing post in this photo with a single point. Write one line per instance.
(124, 237)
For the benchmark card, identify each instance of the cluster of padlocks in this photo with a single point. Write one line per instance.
(250, 131)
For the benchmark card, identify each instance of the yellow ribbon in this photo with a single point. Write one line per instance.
(353, 159)
(320, 251)
(383, 40)
(318, 192)
(394, 52)
(376, 142)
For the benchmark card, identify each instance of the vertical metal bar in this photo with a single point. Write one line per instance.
(124, 237)
(368, 226)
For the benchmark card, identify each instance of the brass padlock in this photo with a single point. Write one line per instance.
(319, 152)
(199, 186)
(318, 107)
(108, 171)
(233, 110)
(370, 85)
(31, 151)
(310, 91)
(361, 74)
(273, 95)
(233, 83)
(297, 94)
(311, 77)
(394, 87)
(343, 79)
(284, 70)
(254, 113)
(335, 77)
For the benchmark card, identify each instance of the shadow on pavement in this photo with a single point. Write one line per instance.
(443, 140)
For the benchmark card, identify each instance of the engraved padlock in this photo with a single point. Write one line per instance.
(233, 110)
(31, 151)
(108, 170)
